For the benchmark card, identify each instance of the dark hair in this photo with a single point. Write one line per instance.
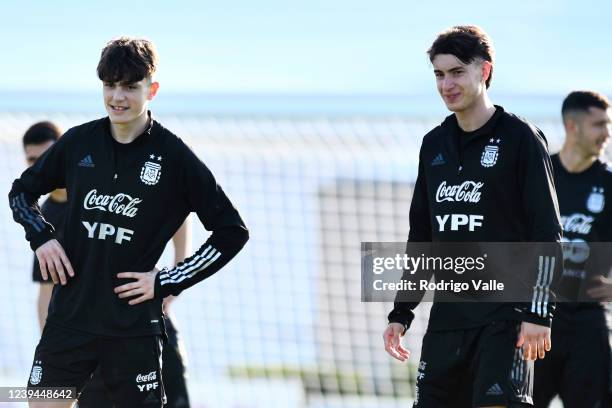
(467, 43)
(127, 60)
(40, 133)
(581, 101)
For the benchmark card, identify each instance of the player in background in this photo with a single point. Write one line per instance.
(36, 140)
(478, 354)
(131, 185)
(577, 368)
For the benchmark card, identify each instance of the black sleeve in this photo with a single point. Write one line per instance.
(538, 194)
(420, 231)
(543, 225)
(229, 233)
(46, 175)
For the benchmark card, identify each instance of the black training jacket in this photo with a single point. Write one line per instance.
(585, 204)
(494, 184)
(125, 202)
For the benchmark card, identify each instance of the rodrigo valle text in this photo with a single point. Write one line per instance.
(491, 285)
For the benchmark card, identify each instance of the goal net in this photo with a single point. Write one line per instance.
(282, 324)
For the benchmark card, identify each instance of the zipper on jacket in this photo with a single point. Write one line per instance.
(459, 156)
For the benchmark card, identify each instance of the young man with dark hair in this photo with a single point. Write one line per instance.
(131, 183)
(36, 140)
(578, 367)
(474, 353)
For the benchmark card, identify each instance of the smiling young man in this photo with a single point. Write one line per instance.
(578, 367)
(131, 183)
(479, 354)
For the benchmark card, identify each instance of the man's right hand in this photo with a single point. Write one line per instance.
(393, 341)
(53, 261)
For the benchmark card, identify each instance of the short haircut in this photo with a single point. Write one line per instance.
(467, 43)
(127, 60)
(41, 132)
(582, 101)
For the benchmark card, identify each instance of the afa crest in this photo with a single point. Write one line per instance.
(150, 173)
(489, 156)
(596, 201)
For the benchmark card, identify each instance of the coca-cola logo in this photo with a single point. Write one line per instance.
(468, 192)
(577, 223)
(140, 378)
(121, 203)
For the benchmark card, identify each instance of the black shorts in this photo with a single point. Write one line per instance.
(476, 367)
(174, 369)
(130, 368)
(95, 394)
(577, 368)
(174, 374)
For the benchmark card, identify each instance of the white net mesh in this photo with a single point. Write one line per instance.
(283, 324)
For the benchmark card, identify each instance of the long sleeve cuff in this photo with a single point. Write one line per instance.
(536, 319)
(404, 317)
(41, 238)
(160, 292)
(523, 313)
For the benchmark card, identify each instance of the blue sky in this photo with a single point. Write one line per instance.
(305, 47)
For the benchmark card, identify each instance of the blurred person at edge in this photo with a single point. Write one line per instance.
(36, 140)
(578, 367)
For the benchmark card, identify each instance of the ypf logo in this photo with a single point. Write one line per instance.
(457, 221)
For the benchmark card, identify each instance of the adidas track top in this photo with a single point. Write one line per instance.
(125, 202)
(494, 184)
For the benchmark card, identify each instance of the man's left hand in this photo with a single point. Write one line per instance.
(144, 286)
(535, 341)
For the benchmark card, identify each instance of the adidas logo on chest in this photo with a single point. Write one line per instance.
(438, 160)
(87, 162)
